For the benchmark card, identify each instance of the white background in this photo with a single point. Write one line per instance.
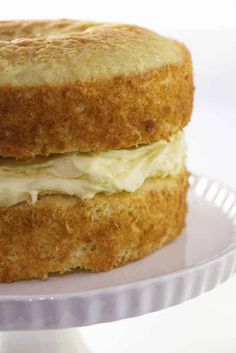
(206, 324)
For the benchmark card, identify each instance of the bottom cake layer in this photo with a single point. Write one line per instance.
(60, 233)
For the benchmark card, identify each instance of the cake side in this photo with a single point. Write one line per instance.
(60, 233)
(103, 115)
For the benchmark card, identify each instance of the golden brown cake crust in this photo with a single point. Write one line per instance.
(95, 116)
(60, 233)
(98, 111)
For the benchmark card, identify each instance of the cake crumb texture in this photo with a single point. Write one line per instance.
(61, 233)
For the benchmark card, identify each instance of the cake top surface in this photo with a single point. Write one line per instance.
(55, 52)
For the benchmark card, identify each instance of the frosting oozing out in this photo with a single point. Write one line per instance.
(87, 174)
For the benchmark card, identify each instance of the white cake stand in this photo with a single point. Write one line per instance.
(197, 261)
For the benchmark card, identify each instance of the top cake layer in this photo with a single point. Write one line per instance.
(79, 86)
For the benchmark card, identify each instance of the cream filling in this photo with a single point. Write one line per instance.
(87, 174)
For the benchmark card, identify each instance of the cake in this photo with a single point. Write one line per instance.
(92, 166)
